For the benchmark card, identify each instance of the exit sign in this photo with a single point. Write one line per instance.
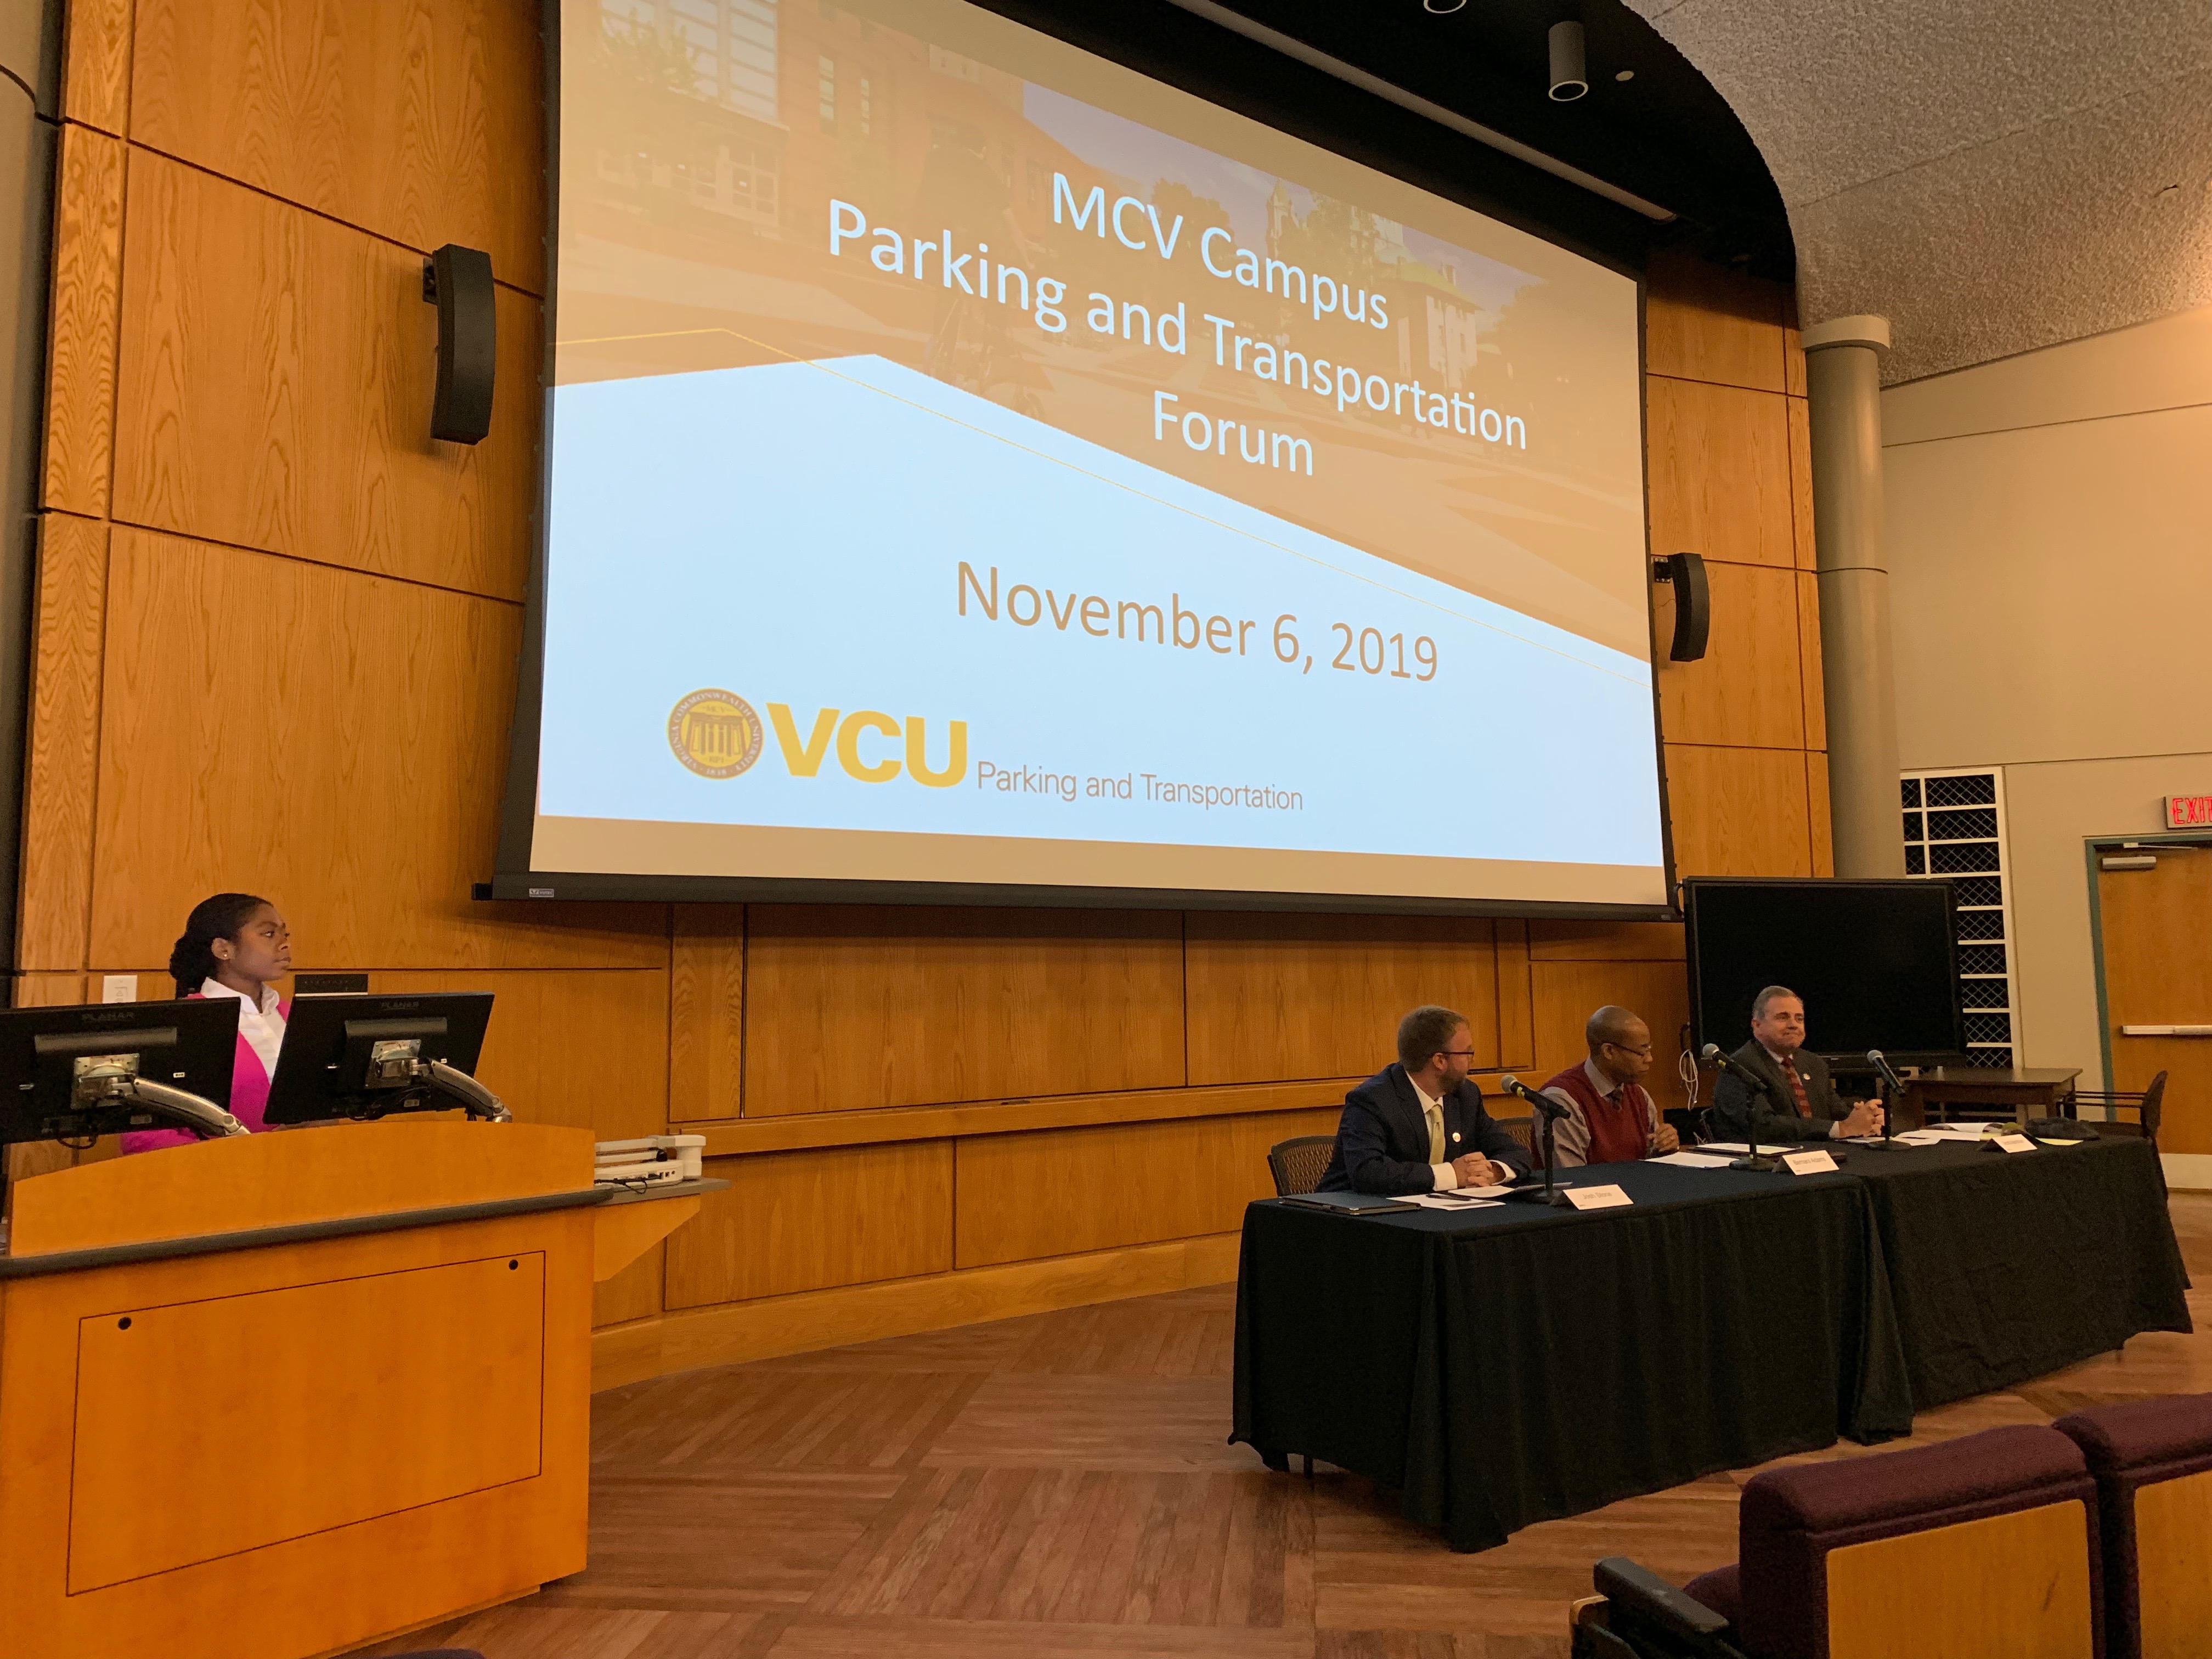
(2188, 811)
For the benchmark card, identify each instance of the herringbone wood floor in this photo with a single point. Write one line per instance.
(1057, 1486)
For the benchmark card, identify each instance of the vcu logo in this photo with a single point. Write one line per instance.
(715, 733)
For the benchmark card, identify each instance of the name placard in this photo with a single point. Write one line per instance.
(1809, 1163)
(1597, 1198)
(2016, 1143)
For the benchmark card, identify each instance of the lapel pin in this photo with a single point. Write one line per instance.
(1454, 1134)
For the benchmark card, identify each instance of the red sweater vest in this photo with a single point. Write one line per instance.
(1618, 1135)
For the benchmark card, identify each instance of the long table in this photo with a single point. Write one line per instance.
(1519, 1364)
(1515, 1364)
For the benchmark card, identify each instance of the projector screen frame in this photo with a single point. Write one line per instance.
(1227, 69)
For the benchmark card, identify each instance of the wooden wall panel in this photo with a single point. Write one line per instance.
(96, 64)
(1568, 993)
(585, 1048)
(849, 1007)
(1816, 795)
(1812, 679)
(1800, 483)
(276, 375)
(1746, 691)
(1057, 1192)
(1516, 1031)
(334, 740)
(633, 1293)
(1739, 811)
(706, 1012)
(1719, 469)
(1704, 323)
(804, 1221)
(1275, 997)
(1606, 941)
(417, 119)
(62, 750)
(81, 325)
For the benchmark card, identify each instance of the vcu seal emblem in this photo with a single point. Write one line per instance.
(715, 733)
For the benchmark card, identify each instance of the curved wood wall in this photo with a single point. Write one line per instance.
(276, 648)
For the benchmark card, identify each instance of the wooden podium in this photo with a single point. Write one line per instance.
(279, 1396)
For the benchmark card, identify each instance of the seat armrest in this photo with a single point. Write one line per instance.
(1639, 1590)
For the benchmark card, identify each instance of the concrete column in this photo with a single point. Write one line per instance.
(1842, 360)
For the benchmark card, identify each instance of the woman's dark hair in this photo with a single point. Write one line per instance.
(220, 917)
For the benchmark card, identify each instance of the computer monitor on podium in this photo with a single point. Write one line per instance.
(102, 1068)
(370, 1056)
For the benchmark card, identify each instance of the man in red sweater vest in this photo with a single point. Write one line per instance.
(1611, 1118)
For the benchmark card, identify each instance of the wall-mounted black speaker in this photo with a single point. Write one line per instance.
(457, 281)
(1694, 604)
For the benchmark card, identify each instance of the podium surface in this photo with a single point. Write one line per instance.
(277, 1397)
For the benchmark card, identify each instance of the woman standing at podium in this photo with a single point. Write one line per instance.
(233, 946)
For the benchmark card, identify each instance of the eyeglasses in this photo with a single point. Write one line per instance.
(1644, 1053)
(1457, 1054)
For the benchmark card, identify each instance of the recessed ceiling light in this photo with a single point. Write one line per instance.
(1626, 75)
(1440, 6)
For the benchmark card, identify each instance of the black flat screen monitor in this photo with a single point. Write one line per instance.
(1876, 962)
(187, 1044)
(322, 1073)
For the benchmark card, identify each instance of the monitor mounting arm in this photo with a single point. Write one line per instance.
(108, 1080)
(398, 1064)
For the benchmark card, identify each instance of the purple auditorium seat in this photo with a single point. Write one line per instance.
(2151, 1461)
(1791, 1520)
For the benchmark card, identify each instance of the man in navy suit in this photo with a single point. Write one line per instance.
(1418, 1126)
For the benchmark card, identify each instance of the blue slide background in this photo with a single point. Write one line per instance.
(791, 532)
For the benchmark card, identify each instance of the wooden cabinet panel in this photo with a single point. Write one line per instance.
(62, 752)
(1275, 997)
(334, 740)
(706, 1012)
(1739, 811)
(1746, 689)
(848, 1007)
(276, 382)
(88, 285)
(1057, 1192)
(1606, 941)
(1702, 322)
(96, 64)
(633, 1293)
(417, 119)
(1568, 993)
(1719, 469)
(588, 1048)
(804, 1221)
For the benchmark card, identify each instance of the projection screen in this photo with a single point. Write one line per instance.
(972, 463)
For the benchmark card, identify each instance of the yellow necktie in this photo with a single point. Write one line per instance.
(1435, 1114)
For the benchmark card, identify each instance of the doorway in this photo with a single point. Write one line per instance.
(2151, 920)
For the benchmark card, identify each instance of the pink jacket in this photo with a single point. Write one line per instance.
(249, 1098)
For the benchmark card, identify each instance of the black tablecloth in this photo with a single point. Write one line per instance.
(2006, 1266)
(1516, 1364)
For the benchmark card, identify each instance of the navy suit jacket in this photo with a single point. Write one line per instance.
(1737, 1107)
(1383, 1139)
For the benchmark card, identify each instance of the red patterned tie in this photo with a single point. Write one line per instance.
(1798, 1087)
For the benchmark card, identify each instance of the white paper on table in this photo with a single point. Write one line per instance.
(1450, 1201)
(1920, 1137)
(2016, 1143)
(1736, 1147)
(1691, 1161)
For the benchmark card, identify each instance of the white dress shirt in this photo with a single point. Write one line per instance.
(261, 1025)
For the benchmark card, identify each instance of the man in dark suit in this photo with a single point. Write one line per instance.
(1799, 1101)
(1418, 1126)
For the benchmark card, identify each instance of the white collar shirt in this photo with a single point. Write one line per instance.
(262, 1025)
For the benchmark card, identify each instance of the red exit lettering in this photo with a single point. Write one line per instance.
(2188, 811)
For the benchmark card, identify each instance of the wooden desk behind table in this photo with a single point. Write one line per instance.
(278, 1396)
(2029, 1091)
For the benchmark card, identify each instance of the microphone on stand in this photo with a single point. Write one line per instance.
(1876, 1059)
(1548, 1113)
(1744, 1074)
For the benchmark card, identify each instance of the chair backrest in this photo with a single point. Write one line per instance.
(1299, 1163)
(2154, 1101)
(1523, 1130)
(1982, 1545)
(2151, 1461)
